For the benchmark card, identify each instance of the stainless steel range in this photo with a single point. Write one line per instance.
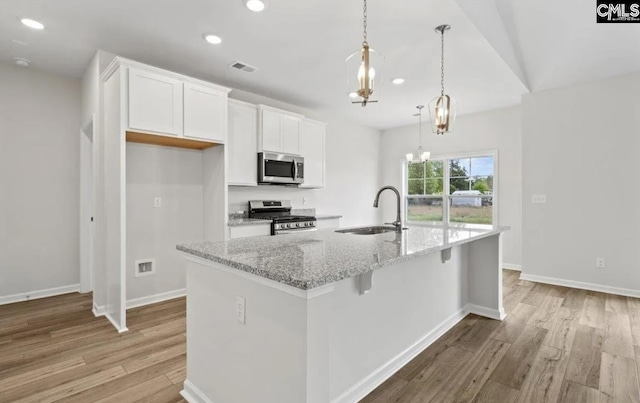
(279, 211)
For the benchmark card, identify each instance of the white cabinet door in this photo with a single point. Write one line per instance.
(271, 131)
(290, 135)
(205, 113)
(155, 103)
(242, 144)
(312, 148)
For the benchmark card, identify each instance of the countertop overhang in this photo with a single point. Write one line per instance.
(313, 259)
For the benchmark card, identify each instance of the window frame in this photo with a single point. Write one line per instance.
(446, 188)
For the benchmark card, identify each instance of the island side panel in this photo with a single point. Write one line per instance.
(409, 306)
(267, 359)
(485, 277)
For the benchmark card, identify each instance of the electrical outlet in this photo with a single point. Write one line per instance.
(240, 310)
(157, 202)
(539, 199)
(305, 200)
(600, 263)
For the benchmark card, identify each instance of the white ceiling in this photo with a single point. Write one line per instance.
(493, 52)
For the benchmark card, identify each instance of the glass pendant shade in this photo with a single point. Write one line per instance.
(442, 111)
(364, 75)
(420, 156)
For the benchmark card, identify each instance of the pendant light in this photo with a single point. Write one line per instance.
(443, 108)
(421, 155)
(364, 70)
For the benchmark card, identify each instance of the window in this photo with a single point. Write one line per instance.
(452, 190)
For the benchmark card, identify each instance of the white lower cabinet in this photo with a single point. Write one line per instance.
(242, 144)
(244, 231)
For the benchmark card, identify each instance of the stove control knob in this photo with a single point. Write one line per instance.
(297, 225)
(288, 225)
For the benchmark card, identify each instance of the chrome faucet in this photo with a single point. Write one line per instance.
(398, 222)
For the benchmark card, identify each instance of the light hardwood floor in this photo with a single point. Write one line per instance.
(54, 349)
(557, 345)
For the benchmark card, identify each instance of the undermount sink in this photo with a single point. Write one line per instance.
(379, 229)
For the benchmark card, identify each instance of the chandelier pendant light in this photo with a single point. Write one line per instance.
(442, 109)
(420, 156)
(360, 65)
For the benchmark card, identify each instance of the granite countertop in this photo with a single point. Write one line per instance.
(234, 222)
(312, 259)
(327, 216)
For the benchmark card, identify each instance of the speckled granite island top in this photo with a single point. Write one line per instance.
(313, 259)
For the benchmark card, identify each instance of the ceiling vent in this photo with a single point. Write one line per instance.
(243, 67)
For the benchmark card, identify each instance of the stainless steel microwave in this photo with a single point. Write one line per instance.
(280, 169)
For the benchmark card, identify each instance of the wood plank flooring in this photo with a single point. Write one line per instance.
(557, 345)
(54, 349)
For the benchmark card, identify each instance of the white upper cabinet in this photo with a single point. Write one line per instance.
(170, 104)
(271, 131)
(290, 135)
(155, 102)
(279, 131)
(313, 149)
(242, 145)
(205, 113)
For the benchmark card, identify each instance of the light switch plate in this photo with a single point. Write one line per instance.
(157, 202)
(539, 199)
(240, 310)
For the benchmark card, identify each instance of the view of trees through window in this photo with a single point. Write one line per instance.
(470, 190)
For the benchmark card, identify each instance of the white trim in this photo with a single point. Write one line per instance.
(99, 311)
(377, 377)
(487, 312)
(627, 292)
(192, 394)
(118, 62)
(154, 299)
(296, 292)
(512, 266)
(115, 324)
(49, 292)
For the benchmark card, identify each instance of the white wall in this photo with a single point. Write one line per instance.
(176, 176)
(580, 149)
(494, 130)
(352, 171)
(39, 180)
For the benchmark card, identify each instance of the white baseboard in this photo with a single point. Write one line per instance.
(512, 266)
(99, 311)
(192, 394)
(578, 284)
(486, 312)
(115, 324)
(49, 292)
(373, 380)
(154, 299)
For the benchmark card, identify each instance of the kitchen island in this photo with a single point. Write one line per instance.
(327, 316)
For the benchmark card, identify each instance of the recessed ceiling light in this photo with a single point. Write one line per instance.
(21, 62)
(213, 39)
(398, 81)
(32, 23)
(353, 95)
(254, 5)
